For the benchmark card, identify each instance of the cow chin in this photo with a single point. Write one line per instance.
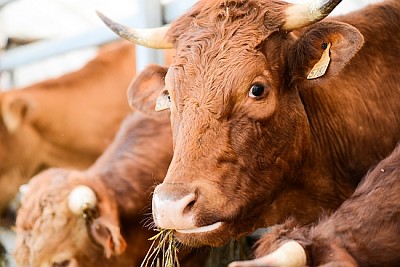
(214, 235)
(202, 229)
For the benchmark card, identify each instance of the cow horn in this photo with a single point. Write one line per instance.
(81, 198)
(291, 254)
(305, 14)
(152, 38)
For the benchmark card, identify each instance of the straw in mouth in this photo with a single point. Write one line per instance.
(163, 251)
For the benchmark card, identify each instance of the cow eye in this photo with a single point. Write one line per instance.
(61, 264)
(256, 90)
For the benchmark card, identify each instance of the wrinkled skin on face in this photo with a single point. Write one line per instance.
(254, 140)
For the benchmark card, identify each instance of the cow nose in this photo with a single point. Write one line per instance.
(172, 207)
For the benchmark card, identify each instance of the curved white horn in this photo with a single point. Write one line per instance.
(152, 38)
(81, 198)
(301, 15)
(290, 254)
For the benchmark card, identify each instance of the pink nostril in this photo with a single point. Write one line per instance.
(189, 206)
(173, 211)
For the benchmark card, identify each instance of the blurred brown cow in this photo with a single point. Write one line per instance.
(56, 228)
(364, 231)
(63, 122)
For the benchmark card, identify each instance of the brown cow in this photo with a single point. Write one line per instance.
(52, 229)
(364, 231)
(63, 122)
(255, 141)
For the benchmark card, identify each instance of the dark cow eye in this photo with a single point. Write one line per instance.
(61, 264)
(256, 90)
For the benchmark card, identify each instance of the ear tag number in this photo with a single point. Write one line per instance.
(321, 66)
(163, 101)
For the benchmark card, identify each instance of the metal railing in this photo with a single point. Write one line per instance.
(151, 14)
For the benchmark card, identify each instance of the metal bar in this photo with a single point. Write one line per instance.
(4, 2)
(149, 16)
(29, 53)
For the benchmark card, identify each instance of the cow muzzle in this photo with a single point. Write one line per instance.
(173, 208)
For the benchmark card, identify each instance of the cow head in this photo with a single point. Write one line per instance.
(66, 220)
(19, 144)
(240, 129)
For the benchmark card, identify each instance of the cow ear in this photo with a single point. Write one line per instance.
(146, 89)
(100, 211)
(324, 50)
(14, 110)
(108, 235)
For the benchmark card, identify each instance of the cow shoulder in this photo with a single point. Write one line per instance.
(339, 41)
(145, 89)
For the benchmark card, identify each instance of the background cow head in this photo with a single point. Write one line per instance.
(19, 144)
(53, 232)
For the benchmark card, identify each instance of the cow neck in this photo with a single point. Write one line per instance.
(129, 166)
(346, 112)
(343, 134)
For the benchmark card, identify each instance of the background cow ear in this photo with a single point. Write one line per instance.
(105, 227)
(145, 89)
(108, 235)
(14, 110)
(344, 41)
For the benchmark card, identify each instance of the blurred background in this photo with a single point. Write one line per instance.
(69, 31)
(42, 39)
(66, 31)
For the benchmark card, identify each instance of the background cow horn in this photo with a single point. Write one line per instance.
(305, 14)
(81, 198)
(152, 38)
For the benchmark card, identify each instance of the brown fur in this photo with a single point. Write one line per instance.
(122, 178)
(62, 122)
(364, 231)
(303, 146)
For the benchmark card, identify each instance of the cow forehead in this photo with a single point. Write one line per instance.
(210, 23)
(209, 72)
(216, 51)
(213, 82)
(213, 13)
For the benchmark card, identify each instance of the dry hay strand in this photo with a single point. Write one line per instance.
(163, 252)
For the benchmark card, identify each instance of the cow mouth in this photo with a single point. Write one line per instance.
(201, 229)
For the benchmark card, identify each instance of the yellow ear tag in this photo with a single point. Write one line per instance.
(321, 66)
(163, 101)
